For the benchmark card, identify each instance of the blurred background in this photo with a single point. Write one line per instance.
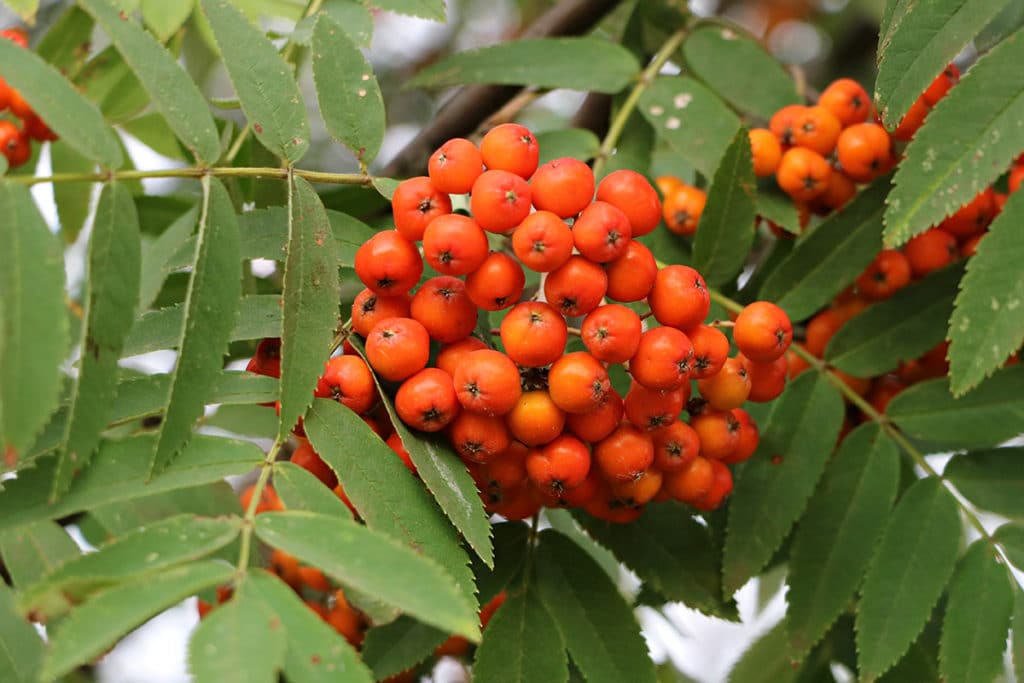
(820, 40)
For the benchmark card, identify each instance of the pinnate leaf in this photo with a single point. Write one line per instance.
(114, 267)
(521, 644)
(992, 479)
(830, 257)
(987, 324)
(988, 415)
(977, 618)
(726, 230)
(773, 488)
(926, 39)
(171, 90)
(577, 63)
(375, 564)
(300, 490)
(676, 106)
(92, 627)
(350, 99)
(761, 87)
(968, 141)
(596, 624)
(33, 319)
(264, 82)
(838, 533)
(67, 112)
(766, 660)
(210, 309)
(907, 575)
(310, 301)
(899, 329)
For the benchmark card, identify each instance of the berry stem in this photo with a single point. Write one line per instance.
(199, 173)
(647, 76)
(245, 544)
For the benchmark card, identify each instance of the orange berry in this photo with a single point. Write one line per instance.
(847, 100)
(632, 194)
(762, 331)
(562, 186)
(931, 250)
(455, 166)
(499, 201)
(510, 147)
(414, 204)
(803, 174)
(766, 150)
(683, 208)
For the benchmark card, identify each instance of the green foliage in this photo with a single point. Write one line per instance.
(766, 660)
(35, 549)
(521, 644)
(21, 647)
(991, 479)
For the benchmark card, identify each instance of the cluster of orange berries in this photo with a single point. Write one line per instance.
(15, 141)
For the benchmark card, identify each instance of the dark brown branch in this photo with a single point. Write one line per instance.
(471, 105)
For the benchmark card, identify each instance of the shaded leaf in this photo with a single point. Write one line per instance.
(968, 141)
(170, 88)
(113, 276)
(400, 645)
(907, 575)
(988, 415)
(767, 660)
(62, 44)
(21, 647)
(777, 207)
(33, 321)
(350, 99)
(210, 309)
(1011, 538)
(986, 325)
(899, 329)
(977, 618)
(73, 200)
(521, 644)
(35, 549)
(577, 143)
(67, 112)
(156, 259)
(726, 230)
(375, 564)
(263, 81)
(774, 486)
(596, 624)
(208, 500)
(992, 479)
(677, 107)
(761, 87)
(91, 628)
(1017, 634)
(830, 257)
(838, 533)
(577, 63)
(300, 490)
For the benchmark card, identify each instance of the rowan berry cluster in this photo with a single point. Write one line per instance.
(15, 141)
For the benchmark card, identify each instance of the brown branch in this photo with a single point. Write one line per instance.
(468, 108)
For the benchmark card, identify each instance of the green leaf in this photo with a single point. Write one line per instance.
(562, 521)
(33, 321)
(577, 63)
(35, 549)
(353, 16)
(242, 641)
(91, 628)
(977, 618)
(1017, 634)
(986, 326)
(259, 316)
(777, 207)
(264, 82)
(210, 309)
(316, 653)
(156, 259)
(774, 486)
(119, 471)
(901, 328)
(596, 624)
(510, 549)
(987, 416)
(113, 276)
(521, 644)
(831, 256)
(67, 112)
(907, 575)
(761, 87)
(991, 479)
(62, 44)
(171, 90)
(21, 648)
(374, 564)
(142, 396)
(766, 660)
(668, 549)
(26, 9)
(726, 230)
(968, 141)
(677, 106)
(300, 490)
(152, 130)
(926, 39)
(350, 100)
(144, 551)
(426, 9)
(73, 200)
(400, 645)
(838, 533)
(165, 17)
(447, 478)
(1011, 538)
(388, 497)
(578, 143)
(310, 301)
